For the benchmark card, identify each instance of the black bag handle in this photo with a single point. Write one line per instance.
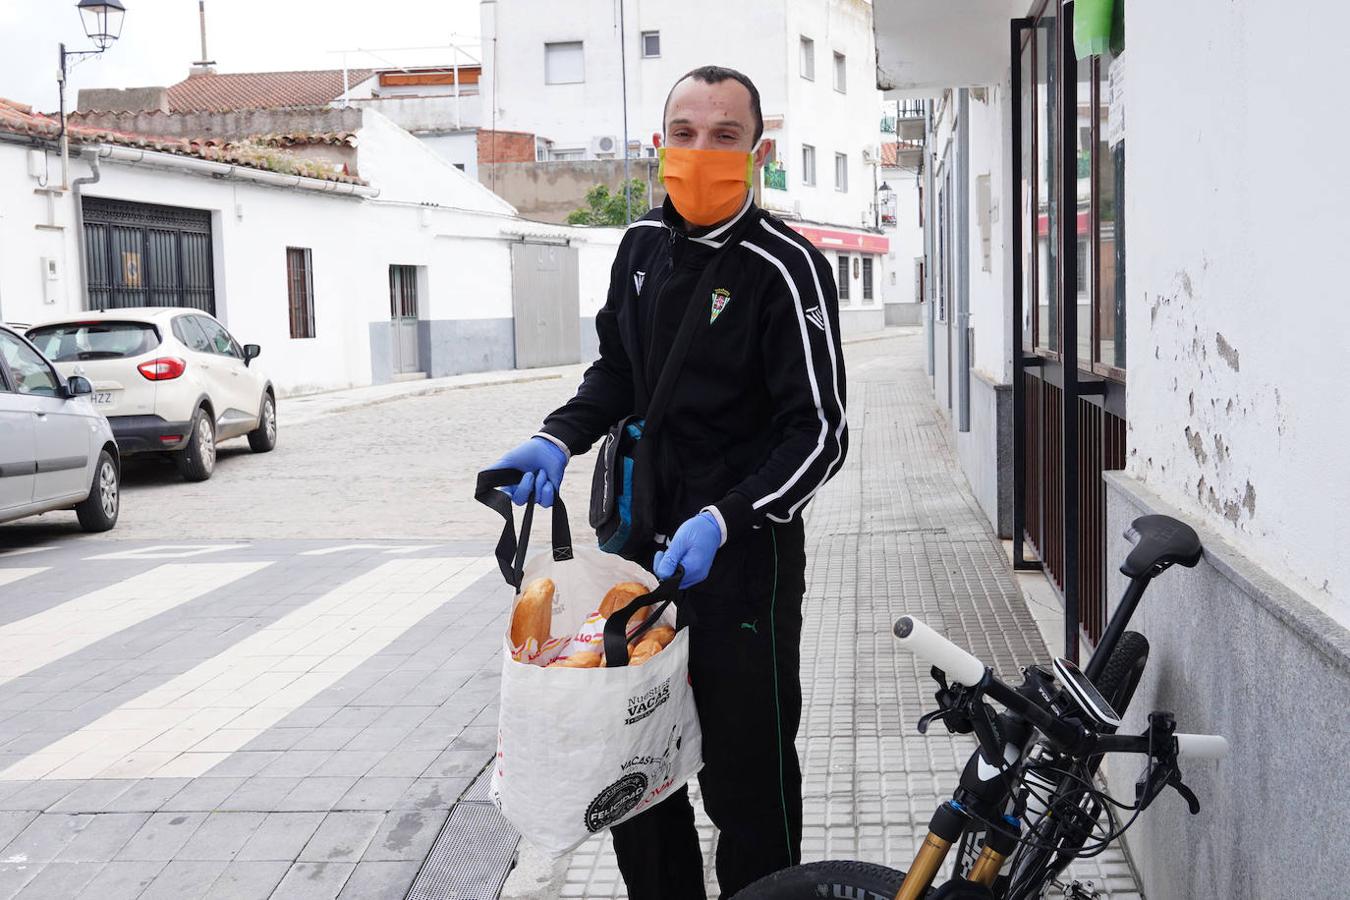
(616, 626)
(511, 551)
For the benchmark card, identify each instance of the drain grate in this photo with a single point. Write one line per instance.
(473, 854)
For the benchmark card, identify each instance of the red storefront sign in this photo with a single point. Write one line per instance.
(848, 241)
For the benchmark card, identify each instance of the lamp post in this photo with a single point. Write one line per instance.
(886, 203)
(102, 20)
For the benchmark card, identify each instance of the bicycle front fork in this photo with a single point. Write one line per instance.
(945, 829)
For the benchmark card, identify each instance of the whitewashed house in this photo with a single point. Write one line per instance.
(347, 248)
(1135, 305)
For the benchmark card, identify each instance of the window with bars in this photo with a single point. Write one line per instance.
(843, 277)
(300, 291)
(867, 277)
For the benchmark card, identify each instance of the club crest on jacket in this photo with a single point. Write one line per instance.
(720, 298)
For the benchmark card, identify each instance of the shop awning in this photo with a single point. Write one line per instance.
(847, 241)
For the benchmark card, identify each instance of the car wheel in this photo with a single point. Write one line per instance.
(197, 460)
(98, 511)
(264, 437)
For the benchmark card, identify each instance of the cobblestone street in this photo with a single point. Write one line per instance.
(282, 681)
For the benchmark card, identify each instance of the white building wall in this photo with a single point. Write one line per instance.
(428, 214)
(990, 302)
(906, 237)
(761, 40)
(1237, 322)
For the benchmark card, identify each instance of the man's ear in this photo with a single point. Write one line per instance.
(762, 152)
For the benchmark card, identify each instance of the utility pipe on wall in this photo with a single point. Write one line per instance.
(95, 175)
(962, 202)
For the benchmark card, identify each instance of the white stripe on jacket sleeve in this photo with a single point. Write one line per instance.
(811, 376)
(834, 366)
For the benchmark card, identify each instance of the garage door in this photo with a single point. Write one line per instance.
(142, 254)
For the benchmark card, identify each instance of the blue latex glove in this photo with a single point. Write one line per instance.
(543, 464)
(694, 546)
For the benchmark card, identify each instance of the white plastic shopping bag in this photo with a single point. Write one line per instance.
(579, 750)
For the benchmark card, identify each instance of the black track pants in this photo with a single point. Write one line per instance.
(745, 664)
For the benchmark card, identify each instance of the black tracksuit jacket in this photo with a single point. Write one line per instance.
(756, 420)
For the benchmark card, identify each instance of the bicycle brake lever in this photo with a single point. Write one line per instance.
(1192, 801)
(929, 718)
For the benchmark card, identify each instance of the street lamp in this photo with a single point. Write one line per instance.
(102, 20)
(886, 198)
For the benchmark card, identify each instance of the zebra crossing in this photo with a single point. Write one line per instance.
(247, 684)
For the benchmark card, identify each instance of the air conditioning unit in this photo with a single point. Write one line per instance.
(604, 145)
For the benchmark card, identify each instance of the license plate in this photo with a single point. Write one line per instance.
(103, 398)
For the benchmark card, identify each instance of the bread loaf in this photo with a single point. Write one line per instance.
(620, 596)
(533, 616)
(661, 634)
(587, 659)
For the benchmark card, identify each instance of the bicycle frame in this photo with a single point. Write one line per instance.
(991, 795)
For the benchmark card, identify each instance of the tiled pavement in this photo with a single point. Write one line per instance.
(897, 531)
(287, 718)
(243, 719)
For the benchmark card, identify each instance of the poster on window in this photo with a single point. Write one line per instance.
(131, 269)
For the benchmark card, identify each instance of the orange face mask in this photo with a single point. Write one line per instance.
(706, 186)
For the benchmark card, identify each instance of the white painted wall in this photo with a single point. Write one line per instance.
(990, 301)
(906, 237)
(456, 148)
(428, 214)
(761, 40)
(1237, 317)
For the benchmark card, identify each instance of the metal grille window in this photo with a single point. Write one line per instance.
(651, 44)
(843, 277)
(867, 277)
(300, 291)
(143, 254)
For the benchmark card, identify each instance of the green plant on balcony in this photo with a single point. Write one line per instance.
(775, 176)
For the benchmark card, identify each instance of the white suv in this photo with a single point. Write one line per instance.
(168, 379)
(56, 451)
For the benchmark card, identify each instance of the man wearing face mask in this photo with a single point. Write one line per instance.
(753, 427)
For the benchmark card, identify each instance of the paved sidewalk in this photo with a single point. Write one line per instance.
(897, 531)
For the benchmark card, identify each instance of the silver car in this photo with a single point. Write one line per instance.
(56, 451)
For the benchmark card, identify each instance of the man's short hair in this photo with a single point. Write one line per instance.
(716, 75)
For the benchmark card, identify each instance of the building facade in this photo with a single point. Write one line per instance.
(562, 73)
(1086, 385)
(379, 262)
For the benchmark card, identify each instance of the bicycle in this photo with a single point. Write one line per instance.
(1027, 800)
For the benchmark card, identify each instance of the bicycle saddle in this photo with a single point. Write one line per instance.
(1160, 541)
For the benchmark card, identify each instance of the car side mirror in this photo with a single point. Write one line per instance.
(78, 386)
(251, 352)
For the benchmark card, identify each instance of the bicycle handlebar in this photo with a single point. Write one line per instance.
(963, 668)
(934, 649)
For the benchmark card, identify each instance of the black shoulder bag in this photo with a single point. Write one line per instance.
(622, 487)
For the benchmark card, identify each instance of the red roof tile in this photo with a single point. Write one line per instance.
(19, 118)
(261, 90)
(890, 153)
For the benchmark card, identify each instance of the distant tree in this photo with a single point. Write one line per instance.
(606, 208)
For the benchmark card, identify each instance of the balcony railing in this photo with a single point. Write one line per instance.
(775, 176)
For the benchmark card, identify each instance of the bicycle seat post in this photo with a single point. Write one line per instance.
(1116, 627)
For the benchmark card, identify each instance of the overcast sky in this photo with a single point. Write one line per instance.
(160, 39)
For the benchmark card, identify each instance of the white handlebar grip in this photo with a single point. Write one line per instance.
(934, 649)
(1201, 746)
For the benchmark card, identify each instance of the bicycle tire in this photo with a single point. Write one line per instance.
(833, 878)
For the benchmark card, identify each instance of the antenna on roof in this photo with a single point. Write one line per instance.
(205, 65)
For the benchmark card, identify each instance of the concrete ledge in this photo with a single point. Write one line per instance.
(1239, 652)
(1303, 617)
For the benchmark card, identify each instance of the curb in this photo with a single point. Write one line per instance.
(426, 391)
